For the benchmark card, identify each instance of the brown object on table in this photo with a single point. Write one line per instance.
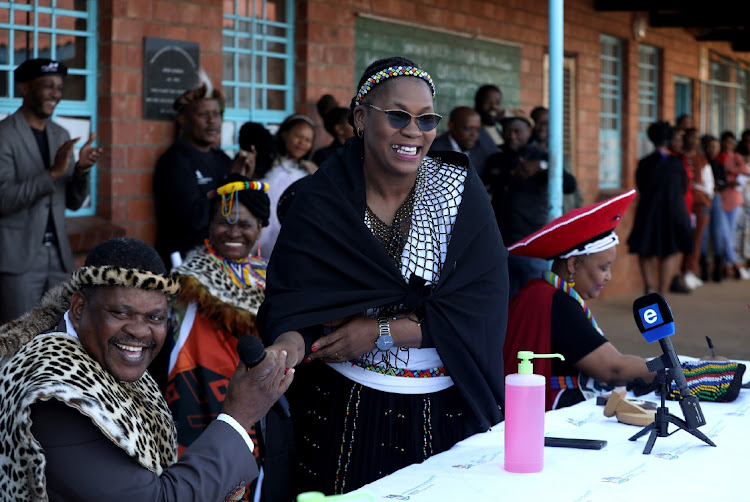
(626, 411)
(615, 397)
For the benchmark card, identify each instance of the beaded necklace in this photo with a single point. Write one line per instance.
(558, 283)
(242, 272)
(393, 237)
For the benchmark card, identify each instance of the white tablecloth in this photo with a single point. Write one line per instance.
(681, 466)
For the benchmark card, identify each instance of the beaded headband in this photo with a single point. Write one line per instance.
(393, 71)
(128, 277)
(228, 194)
(237, 186)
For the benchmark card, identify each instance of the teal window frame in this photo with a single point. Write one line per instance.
(610, 113)
(78, 109)
(236, 34)
(683, 96)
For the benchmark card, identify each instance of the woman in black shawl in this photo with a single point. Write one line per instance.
(388, 283)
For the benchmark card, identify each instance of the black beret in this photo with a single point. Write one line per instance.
(41, 67)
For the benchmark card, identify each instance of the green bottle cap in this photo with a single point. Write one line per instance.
(526, 367)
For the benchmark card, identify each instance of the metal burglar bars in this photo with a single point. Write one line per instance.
(610, 114)
(63, 30)
(258, 75)
(648, 95)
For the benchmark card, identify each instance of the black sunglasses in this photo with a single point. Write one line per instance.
(400, 119)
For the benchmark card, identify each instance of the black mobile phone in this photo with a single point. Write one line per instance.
(586, 444)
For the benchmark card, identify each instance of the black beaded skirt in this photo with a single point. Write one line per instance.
(348, 435)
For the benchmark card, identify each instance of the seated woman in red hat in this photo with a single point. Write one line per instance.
(549, 314)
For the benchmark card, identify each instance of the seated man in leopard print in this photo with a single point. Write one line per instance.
(81, 419)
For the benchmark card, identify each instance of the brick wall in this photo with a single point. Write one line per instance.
(132, 145)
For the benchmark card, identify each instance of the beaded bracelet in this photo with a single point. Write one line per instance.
(408, 316)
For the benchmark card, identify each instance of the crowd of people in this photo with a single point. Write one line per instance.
(392, 276)
(691, 223)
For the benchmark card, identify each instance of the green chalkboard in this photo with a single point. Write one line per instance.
(458, 64)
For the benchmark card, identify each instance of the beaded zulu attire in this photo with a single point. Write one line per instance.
(442, 263)
(545, 318)
(218, 303)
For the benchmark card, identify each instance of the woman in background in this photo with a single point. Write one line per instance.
(222, 286)
(295, 139)
(336, 123)
(732, 202)
(661, 230)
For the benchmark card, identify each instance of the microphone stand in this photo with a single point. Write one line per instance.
(663, 418)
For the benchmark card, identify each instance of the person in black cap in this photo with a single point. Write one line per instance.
(39, 179)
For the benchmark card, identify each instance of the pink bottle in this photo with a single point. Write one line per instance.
(524, 416)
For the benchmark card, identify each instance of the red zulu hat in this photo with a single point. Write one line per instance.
(582, 231)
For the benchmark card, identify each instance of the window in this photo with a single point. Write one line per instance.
(569, 107)
(741, 105)
(683, 97)
(727, 91)
(63, 30)
(610, 114)
(258, 75)
(648, 94)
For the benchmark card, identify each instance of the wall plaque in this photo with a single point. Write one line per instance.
(170, 67)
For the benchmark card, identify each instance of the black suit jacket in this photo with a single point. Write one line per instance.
(83, 464)
(483, 148)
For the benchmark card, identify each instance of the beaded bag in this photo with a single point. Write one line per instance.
(718, 381)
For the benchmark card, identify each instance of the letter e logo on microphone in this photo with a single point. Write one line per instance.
(650, 316)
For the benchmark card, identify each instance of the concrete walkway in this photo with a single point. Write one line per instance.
(719, 310)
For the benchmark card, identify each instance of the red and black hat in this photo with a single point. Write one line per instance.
(582, 231)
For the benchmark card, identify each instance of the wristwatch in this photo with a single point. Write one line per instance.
(385, 340)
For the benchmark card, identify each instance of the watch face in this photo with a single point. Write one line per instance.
(384, 342)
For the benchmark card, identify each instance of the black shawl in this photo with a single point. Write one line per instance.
(328, 265)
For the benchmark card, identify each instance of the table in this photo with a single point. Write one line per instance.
(680, 467)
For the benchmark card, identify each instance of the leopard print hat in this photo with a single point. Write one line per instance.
(53, 305)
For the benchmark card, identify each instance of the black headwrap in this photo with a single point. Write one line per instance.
(328, 265)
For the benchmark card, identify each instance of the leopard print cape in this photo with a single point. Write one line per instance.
(205, 282)
(125, 412)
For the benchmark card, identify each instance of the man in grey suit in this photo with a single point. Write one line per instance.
(464, 135)
(39, 178)
(81, 418)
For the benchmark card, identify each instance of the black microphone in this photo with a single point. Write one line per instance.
(655, 321)
(252, 352)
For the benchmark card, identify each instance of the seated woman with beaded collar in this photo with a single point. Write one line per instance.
(549, 314)
(404, 251)
(222, 288)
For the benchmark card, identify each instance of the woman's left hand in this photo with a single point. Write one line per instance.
(349, 341)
